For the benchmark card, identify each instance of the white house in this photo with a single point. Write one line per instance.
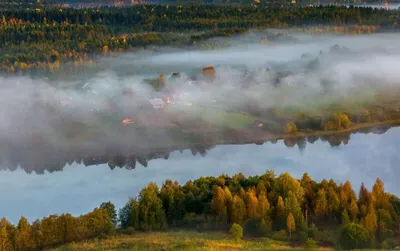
(157, 103)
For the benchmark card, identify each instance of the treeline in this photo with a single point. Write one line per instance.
(41, 38)
(340, 121)
(279, 207)
(55, 230)
(188, 17)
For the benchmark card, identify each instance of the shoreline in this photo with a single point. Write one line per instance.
(298, 135)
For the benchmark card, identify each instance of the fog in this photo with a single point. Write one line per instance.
(48, 122)
(39, 115)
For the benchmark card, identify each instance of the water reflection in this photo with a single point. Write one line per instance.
(41, 159)
(78, 189)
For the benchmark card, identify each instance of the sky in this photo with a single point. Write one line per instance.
(78, 189)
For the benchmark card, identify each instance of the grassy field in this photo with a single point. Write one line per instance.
(217, 117)
(182, 240)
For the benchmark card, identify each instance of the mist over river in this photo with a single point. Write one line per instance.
(78, 189)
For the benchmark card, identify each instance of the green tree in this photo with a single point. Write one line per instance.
(280, 214)
(236, 231)
(286, 183)
(151, 213)
(352, 236)
(238, 212)
(345, 218)
(310, 245)
(110, 209)
(129, 214)
(173, 196)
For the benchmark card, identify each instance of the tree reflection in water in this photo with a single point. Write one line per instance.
(41, 159)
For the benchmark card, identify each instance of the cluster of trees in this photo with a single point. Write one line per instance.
(279, 207)
(338, 121)
(56, 230)
(40, 38)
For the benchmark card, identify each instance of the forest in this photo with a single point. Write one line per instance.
(280, 207)
(44, 39)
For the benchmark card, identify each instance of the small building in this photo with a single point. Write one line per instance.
(157, 103)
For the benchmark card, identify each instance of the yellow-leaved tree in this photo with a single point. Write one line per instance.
(290, 224)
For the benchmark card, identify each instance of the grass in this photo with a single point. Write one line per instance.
(180, 240)
(217, 117)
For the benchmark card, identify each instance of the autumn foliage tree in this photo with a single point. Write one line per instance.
(290, 224)
(263, 205)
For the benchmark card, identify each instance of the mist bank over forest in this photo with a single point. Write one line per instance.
(315, 72)
(71, 40)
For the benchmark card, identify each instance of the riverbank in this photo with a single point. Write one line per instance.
(266, 137)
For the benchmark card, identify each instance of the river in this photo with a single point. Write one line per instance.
(77, 189)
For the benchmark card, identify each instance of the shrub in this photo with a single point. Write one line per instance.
(280, 236)
(264, 227)
(310, 245)
(236, 231)
(390, 243)
(130, 230)
(352, 236)
(313, 232)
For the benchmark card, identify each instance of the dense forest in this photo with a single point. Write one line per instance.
(42, 38)
(279, 207)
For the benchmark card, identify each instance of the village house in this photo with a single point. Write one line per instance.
(157, 103)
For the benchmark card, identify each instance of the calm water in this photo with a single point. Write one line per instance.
(78, 189)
